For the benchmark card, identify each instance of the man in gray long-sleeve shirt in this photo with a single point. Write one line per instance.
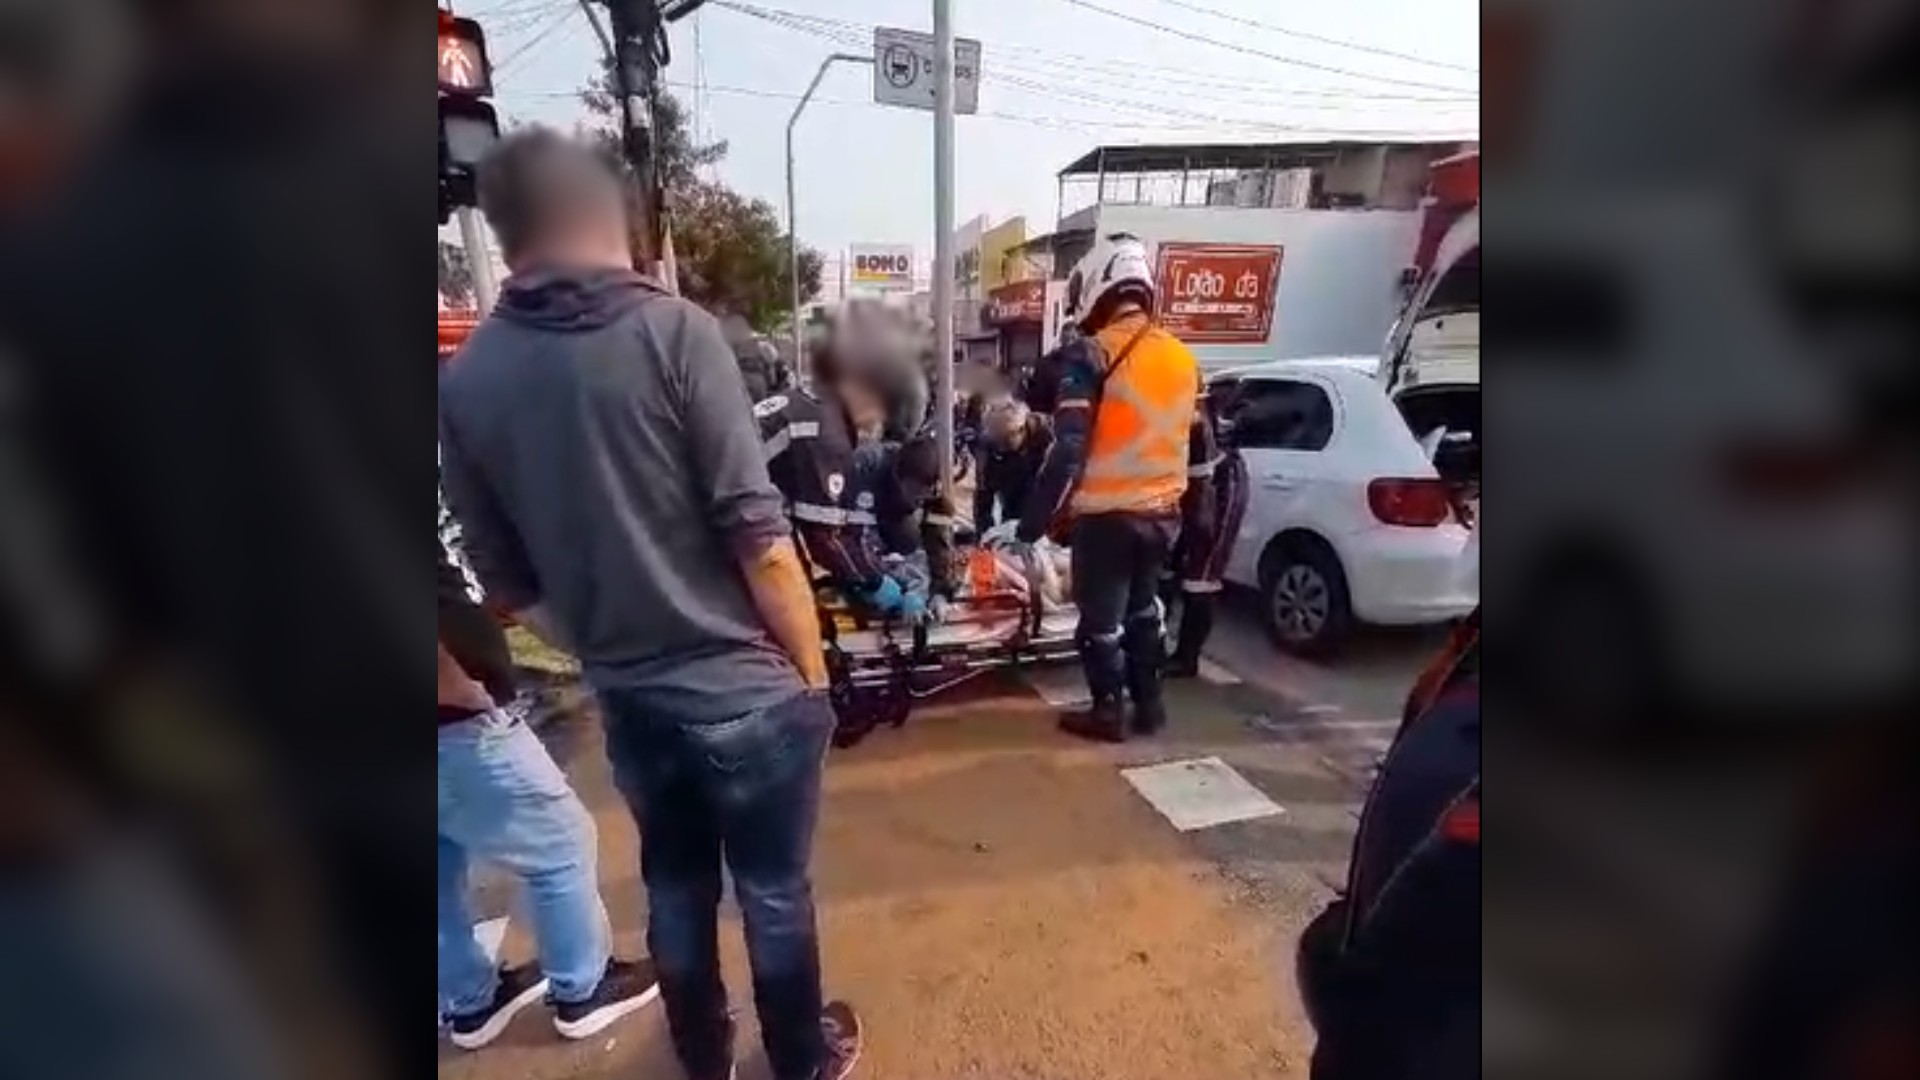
(601, 455)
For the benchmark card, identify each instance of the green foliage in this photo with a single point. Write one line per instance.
(730, 249)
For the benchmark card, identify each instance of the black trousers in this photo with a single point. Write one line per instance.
(1116, 580)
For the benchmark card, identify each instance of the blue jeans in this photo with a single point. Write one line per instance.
(746, 790)
(503, 799)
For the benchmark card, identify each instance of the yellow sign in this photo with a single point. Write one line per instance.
(998, 265)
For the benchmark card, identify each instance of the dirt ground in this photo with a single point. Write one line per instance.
(996, 901)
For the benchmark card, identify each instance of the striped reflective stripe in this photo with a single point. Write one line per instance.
(815, 514)
(805, 429)
(1191, 586)
(777, 444)
(939, 520)
(1200, 471)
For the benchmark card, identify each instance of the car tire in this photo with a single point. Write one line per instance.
(1305, 604)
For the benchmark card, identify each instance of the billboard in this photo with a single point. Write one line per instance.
(1218, 294)
(1021, 301)
(880, 266)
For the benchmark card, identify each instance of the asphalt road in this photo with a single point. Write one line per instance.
(1003, 904)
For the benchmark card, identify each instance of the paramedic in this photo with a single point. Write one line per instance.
(1210, 516)
(916, 515)
(1014, 442)
(812, 438)
(1119, 466)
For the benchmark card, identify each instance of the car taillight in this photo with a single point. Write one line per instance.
(1421, 503)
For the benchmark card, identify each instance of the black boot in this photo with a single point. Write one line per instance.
(1196, 623)
(1104, 721)
(1104, 661)
(1146, 656)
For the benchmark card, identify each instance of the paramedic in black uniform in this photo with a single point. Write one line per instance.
(824, 452)
(1210, 514)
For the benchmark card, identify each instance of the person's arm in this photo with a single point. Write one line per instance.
(936, 539)
(785, 601)
(985, 480)
(742, 506)
(493, 546)
(1081, 365)
(458, 689)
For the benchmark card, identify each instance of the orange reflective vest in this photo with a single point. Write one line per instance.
(1137, 456)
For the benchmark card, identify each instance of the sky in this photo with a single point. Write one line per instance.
(1059, 77)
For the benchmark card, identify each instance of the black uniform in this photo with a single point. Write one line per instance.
(1210, 515)
(471, 635)
(916, 516)
(1008, 475)
(810, 447)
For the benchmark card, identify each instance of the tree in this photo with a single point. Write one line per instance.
(731, 251)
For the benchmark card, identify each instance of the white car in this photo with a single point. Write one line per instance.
(1347, 519)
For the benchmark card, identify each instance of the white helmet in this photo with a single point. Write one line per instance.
(1118, 262)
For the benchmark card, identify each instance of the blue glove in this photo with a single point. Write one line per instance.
(913, 607)
(886, 596)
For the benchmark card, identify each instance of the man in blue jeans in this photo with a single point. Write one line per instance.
(503, 799)
(603, 457)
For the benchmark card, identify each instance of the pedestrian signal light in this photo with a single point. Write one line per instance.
(462, 58)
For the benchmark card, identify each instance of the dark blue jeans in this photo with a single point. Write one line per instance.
(746, 790)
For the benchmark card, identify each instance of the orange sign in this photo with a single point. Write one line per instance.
(1218, 294)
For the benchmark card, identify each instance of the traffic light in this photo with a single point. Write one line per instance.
(468, 125)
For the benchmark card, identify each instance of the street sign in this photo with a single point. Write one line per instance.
(1218, 294)
(880, 266)
(903, 70)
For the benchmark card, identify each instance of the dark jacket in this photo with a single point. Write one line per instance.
(1008, 475)
(600, 452)
(810, 454)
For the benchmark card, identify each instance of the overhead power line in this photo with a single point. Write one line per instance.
(1058, 122)
(1263, 54)
(1045, 84)
(1303, 35)
(1109, 68)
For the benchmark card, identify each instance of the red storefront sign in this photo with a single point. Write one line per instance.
(1021, 301)
(1218, 294)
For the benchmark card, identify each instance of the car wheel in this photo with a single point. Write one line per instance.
(1305, 602)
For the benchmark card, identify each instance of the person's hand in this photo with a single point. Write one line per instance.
(887, 596)
(1028, 557)
(913, 607)
(813, 672)
(938, 610)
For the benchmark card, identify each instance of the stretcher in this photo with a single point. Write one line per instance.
(1000, 619)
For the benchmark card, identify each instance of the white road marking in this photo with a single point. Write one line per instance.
(1216, 674)
(1353, 725)
(1062, 686)
(1200, 793)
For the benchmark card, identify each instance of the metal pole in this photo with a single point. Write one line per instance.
(793, 233)
(943, 232)
(479, 259)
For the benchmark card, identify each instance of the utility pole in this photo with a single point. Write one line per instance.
(479, 259)
(638, 29)
(943, 232)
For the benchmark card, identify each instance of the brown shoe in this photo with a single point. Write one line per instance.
(840, 1026)
(1104, 721)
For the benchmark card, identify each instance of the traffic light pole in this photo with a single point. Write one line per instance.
(479, 259)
